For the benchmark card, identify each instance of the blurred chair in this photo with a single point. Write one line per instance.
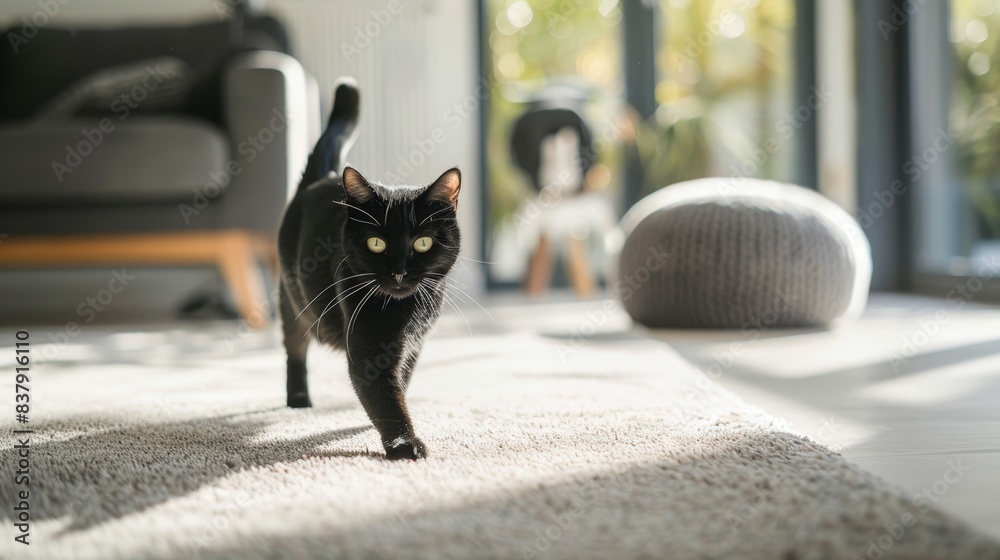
(553, 145)
(154, 145)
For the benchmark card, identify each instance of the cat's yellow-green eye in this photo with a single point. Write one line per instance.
(423, 244)
(376, 245)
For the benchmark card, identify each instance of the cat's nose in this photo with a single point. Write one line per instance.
(399, 277)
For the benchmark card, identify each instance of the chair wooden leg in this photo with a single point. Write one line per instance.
(540, 268)
(237, 261)
(579, 268)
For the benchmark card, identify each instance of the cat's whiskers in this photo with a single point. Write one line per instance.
(457, 256)
(318, 322)
(466, 258)
(431, 215)
(447, 283)
(445, 276)
(419, 297)
(340, 264)
(330, 286)
(475, 261)
(429, 305)
(350, 324)
(449, 301)
(363, 221)
(356, 208)
(343, 295)
(334, 303)
(442, 279)
(430, 288)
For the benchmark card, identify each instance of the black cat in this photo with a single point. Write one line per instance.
(382, 253)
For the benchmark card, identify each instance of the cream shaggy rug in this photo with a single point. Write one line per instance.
(539, 449)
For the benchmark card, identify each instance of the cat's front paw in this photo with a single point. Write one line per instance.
(299, 400)
(405, 448)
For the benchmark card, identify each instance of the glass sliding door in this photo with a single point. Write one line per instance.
(955, 139)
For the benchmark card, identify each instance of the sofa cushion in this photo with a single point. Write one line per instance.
(80, 162)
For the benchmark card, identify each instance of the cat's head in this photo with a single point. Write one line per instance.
(402, 234)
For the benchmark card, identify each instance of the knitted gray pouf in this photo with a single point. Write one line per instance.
(741, 254)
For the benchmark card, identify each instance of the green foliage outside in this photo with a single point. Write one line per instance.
(975, 105)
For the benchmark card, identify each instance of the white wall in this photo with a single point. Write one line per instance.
(109, 12)
(415, 60)
(416, 63)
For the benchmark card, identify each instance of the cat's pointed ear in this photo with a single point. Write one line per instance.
(356, 186)
(446, 188)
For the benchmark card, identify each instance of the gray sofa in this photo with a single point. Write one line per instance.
(149, 129)
(212, 134)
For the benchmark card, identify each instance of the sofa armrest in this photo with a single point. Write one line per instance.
(266, 104)
(314, 111)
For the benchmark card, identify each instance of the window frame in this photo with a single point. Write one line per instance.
(904, 81)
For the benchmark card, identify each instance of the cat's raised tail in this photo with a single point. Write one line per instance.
(341, 131)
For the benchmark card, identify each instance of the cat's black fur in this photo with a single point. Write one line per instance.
(336, 290)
